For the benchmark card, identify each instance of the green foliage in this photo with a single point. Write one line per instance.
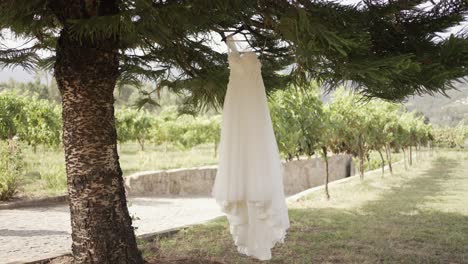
(186, 131)
(355, 125)
(412, 131)
(43, 124)
(349, 124)
(169, 127)
(348, 113)
(11, 164)
(199, 130)
(449, 137)
(132, 124)
(287, 130)
(299, 120)
(33, 121)
(12, 116)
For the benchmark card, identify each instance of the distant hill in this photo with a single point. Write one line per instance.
(443, 110)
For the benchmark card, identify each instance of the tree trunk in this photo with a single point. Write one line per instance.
(325, 157)
(215, 148)
(410, 155)
(415, 153)
(361, 168)
(102, 230)
(404, 157)
(389, 158)
(361, 158)
(383, 162)
(141, 142)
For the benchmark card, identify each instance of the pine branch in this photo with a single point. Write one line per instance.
(26, 58)
(388, 49)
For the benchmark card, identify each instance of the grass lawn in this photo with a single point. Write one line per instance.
(416, 216)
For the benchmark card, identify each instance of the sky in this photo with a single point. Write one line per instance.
(19, 74)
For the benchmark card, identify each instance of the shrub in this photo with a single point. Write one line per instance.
(11, 164)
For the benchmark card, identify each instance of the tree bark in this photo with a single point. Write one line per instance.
(325, 157)
(389, 158)
(410, 155)
(404, 157)
(215, 148)
(361, 158)
(102, 230)
(415, 152)
(141, 142)
(383, 162)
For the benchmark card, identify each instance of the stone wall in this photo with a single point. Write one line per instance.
(299, 175)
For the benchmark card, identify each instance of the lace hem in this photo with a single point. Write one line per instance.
(255, 226)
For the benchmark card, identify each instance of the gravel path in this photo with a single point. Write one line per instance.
(36, 233)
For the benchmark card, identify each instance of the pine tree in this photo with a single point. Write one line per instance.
(387, 49)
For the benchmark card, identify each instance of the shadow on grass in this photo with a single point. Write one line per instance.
(391, 229)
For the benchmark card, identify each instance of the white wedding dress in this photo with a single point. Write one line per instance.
(249, 181)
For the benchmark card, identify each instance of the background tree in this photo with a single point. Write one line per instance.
(43, 125)
(449, 137)
(386, 48)
(214, 132)
(350, 110)
(325, 132)
(301, 124)
(12, 116)
(166, 129)
(287, 128)
(404, 135)
(384, 116)
(134, 125)
(199, 130)
(390, 132)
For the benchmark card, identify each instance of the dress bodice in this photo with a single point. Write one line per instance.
(241, 62)
(244, 63)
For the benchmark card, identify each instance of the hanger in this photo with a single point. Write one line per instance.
(242, 27)
(238, 30)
